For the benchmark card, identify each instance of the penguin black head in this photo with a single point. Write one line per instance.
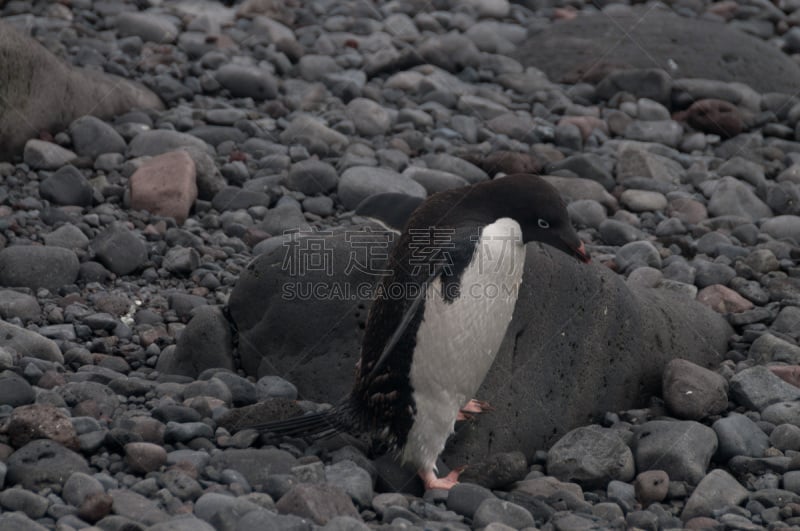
(527, 199)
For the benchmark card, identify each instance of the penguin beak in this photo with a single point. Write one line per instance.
(582, 254)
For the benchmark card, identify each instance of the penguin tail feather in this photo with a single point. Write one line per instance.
(312, 425)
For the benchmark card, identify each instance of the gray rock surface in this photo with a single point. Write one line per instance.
(206, 343)
(715, 491)
(572, 47)
(591, 456)
(738, 435)
(683, 449)
(758, 388)
(42, 463)
(693, 392)
(360, 182)
(28, 343)
(35, 267)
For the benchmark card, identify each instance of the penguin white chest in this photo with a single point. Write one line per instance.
(458, 339)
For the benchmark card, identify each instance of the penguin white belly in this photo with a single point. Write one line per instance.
(457, 341)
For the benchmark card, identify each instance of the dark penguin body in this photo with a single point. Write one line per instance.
(439, 318)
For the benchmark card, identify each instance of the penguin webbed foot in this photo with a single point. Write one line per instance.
(446, 483)
(473, 407)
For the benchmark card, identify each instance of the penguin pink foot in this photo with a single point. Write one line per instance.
(473, 407)
(446, 483)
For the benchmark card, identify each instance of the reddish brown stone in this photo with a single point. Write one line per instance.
(51, 379)
(95, 507)
(716, 117)
(722, 299)
(651, 486)
(703, 522)
(564, 13)
(87, 408)
(41, 421)
(586, 124)
(508, 162)
(787, 373)
(725, 9)
(143, 457)
(687, 210)
(149, 429)
(165, 185)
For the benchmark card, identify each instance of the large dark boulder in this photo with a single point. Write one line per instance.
(589, 44)
(39, 92)
(581, 342)
(312, 341)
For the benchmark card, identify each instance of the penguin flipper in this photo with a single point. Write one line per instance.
(408, 315)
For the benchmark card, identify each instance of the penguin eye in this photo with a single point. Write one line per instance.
(543, 223)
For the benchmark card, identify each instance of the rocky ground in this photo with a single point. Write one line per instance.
(277, 116)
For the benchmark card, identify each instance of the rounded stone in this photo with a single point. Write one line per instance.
(144, 457)
(41, 421)
(643, 200)
(592, 456)
(67, 186)
(42, 463)
(716, 117)
(92, 137)
(35, 267)
(312, 177)
(693, 392)
(247, 82)
(359, 182)
(79, 486)
(119, 249)
(41, 155)
(494, 510)
(651, 486)
(368, 116)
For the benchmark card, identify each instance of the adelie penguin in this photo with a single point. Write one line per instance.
(440, 316)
